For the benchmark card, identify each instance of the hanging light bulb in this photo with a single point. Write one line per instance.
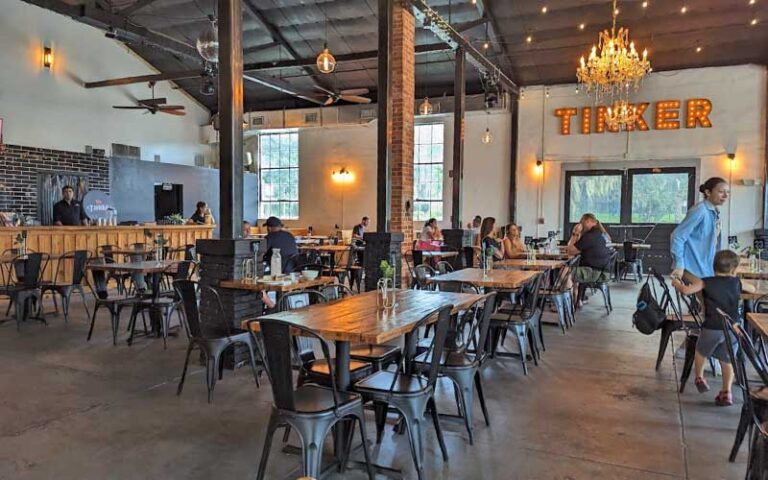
(326, 63)
(487, 136)
(208, 42)
(425, 108)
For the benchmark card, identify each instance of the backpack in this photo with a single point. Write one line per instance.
(649, 315)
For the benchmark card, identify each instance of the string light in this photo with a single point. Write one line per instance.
(698, 49)
(753, 22)
(582, 26)
(544, 9)
(684, 9)
(529, 39)
(644, 4)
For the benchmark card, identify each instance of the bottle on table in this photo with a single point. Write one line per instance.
(276, 263)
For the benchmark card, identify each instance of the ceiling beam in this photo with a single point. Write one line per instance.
(493, 34)
(260, 48)
(282, 86)
(350, 57)
(159, 77)
(135, 7)
(463, 27)
(445, 32)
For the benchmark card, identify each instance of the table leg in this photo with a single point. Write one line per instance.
(343, 384)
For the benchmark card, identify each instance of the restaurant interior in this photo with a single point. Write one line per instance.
(407, 239)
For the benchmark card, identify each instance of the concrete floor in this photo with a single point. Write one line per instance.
(595, 408)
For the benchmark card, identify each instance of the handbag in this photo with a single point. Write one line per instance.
(648, 315)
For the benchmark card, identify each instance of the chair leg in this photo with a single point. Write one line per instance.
(366, 451)
(82, 297)
(212, 366)
(438, 430)
(559, 302)
(481, 395)
(606, 297)
(267, 446)
(521, 340)
(252, 356)
(312, 438)
(534, 348)
(132, 323)
(744, 422)
(380, 411)
(184, 371)
(666, 334)
(413, 422)
(65, 300)
(115, 319)
(93, 321)
(690, 349)
(462, 382)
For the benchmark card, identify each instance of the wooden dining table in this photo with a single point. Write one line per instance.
(524, 264)
(744, 270)
(759, 322)
(499, 279)
(543, 256)
(358, 319)
(280, 287)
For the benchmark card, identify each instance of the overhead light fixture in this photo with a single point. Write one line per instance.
(751, 2)
(644, 5)
(487, 136)
(622, 115)
(753, 22)
(582, 26)
(425, 108)
(698, 49)
(208, 42)
(544, 9)
(47, 57)
(326, 63)
(683, 9)
(207, 87)
(529, 39)
(486, 45)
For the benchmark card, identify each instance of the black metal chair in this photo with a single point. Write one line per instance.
(107, 253)
(78, 259)
(754, 409)
(311, 409)
(104, 299)
(462, 365)
(211, 334)
(409, 392)
(560, 295)
(443, 267)
(523, 320)
(421, 275)
(632, 261)
(603, 283)
(26, 294)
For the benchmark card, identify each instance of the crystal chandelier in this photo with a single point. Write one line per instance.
(613, 66)
(208, 42)
(622, 115)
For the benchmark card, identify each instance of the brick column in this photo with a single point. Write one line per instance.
(403, 90)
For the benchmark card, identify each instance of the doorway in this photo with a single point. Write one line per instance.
(169, 200)
(641, 204)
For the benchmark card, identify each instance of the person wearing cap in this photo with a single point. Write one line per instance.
(285, 241)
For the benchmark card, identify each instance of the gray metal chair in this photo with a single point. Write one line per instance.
(561, 296)
(462, 365)
(79, 260)
(421, 273)
(409, 392)
(103, 299)
(310, 409)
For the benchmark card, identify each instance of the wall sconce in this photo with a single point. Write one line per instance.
(732, 157)
(539, 166)
(342, 176)
(47, 57)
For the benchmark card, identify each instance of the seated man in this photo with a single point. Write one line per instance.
(358, 231)
(589, 239)
(285, 241)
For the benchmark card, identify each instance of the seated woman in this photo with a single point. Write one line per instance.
(513, 244)
(490, 245)
(590, 240)
(430, 237)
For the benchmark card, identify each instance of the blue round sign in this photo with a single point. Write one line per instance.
(98, 205)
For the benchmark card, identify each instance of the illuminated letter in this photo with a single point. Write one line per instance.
(668, 115)
(565, 115)
(698, 113)
(640, 123)
(586, 120)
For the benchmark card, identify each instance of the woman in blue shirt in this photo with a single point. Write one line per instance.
(697, 238)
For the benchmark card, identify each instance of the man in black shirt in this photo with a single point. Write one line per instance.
(69, 211)
(358, 231)
(590, 240)
(279, 238)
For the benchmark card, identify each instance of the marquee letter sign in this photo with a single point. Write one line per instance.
(668, 116)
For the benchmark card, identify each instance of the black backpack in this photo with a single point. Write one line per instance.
(649, 315)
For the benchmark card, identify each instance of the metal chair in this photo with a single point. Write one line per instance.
(107, 253)
(310, 409)
(443, 267)
(26, 294)
(523, 320)
(603, 284)
(462, 365)
(409, 392)
(421, 274)
(212, 335)
(164, 303)
(560, 295)
(79, 260)
(103, 299)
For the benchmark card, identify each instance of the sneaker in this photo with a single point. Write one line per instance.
(724, 399)
(701, 385)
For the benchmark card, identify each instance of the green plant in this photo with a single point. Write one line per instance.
(175, 219)
(21, 237)
(489, 252)
(387, 270)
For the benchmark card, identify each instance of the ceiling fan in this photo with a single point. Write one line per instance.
(154, 105)
(353, 95)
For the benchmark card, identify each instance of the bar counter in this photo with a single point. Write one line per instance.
(58, 240)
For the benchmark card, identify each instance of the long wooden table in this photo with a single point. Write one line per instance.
(520, 264)
(543, 256)
(261, 286)
(501, 279)
(744, 271)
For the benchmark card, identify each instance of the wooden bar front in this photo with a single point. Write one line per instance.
(58, 240)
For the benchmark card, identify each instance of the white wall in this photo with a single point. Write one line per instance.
(51, 109)
(325, 149)
(738, 95)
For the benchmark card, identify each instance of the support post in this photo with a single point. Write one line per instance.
(513, 158)
(383, 140)
(459, 99)
(231, 118)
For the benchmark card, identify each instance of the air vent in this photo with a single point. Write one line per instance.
(310, 117)
(199, 160)
(126, 151)
(258, 121)
(367, 113)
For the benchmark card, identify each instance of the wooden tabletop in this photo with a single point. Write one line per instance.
(358, 319)
(760, 286)
(130, 251)
(523, 264)
(438, 253)
(327, 248)
(640, 246)
(504, 279)
(760, 322)
(251, 285)
(543, 256)
(149, 266)
(744, 271)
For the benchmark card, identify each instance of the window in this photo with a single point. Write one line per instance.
(279, 174)
(428, 172)
(597, 194)
(659, 197)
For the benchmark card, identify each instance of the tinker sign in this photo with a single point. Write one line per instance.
(668, 117)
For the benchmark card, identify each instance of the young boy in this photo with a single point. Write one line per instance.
(722, 291)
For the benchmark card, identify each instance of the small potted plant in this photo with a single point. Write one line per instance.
(386, 285)
(21, 241)
(175, 219)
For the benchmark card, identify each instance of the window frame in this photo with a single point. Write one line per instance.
(431, 164)
(291, 168)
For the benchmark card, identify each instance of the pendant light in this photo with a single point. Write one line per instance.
(208, 42)
(487, 135)
(425, 108)
(326, 63)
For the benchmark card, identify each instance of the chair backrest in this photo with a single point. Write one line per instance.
(470, 324)
(189, 252)
(98, 279)
(630, 252)
(276, 335)
(106, 252)
(180, 270)
(336, 291)
(421, 273)
(457, 287)
(34, 265)
(436, 347)
(190, 293)
(302, 346)
(418, 257)
(80, 261)
(443, 267)
(730, 327)
(530, 297)
(469, 257)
